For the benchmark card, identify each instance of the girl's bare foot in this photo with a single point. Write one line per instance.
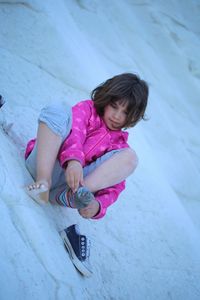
(38, 191)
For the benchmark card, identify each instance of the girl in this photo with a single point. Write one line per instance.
(81, 156)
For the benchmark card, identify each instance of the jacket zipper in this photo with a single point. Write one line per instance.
(99, 141)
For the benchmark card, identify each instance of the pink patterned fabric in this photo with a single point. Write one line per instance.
(88, 140)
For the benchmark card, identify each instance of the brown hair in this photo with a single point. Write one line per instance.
(126, 88)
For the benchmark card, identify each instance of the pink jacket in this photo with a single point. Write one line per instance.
(88, 140)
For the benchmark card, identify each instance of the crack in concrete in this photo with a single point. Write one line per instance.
(22, 3)
(43, 69)
(176, 22)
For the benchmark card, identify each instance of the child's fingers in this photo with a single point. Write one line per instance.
(82, 180)
(74, 178)
(70, 181)
(75, 184)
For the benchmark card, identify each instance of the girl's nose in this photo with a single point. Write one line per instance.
(117, 115)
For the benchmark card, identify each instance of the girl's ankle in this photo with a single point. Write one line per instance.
(45, 182)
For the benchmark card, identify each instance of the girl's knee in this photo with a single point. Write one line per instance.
(131, 159)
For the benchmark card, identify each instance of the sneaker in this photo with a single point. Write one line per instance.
(78, 247)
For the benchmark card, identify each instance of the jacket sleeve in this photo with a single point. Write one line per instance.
(107, 197)
(72, 147)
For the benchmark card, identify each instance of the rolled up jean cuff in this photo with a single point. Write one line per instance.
(58, 118)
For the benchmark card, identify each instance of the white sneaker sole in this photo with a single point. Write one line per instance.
(77, 263)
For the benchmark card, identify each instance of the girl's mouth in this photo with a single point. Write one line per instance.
(114, 124)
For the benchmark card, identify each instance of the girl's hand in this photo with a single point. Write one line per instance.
(74, 175)
(91, 210)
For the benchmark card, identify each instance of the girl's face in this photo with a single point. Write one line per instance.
(115, 115)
